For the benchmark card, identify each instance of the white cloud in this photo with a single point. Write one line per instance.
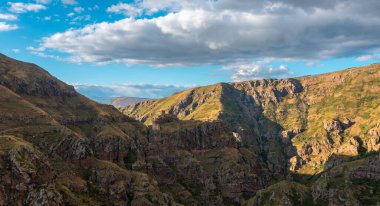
(70, 14)
(69, 2)
(105, 93)
(41, 54)
(263, 69)
(30, 48)
(153, 6)
(78, 19)
(9, 17)
(43, 1)
(368, 57)
(250, 72)
(226, 31)
(7, 27)
(15, 50)
(126, 9)
(18, 7)
(79, 9)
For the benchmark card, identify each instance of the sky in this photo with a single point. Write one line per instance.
(151, 48)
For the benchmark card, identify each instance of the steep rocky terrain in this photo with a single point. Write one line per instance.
(59, 148)
(305, 141)
(299, 128)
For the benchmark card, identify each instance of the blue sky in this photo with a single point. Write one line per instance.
(152, 48)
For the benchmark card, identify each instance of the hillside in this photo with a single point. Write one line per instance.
(69, 150)
(305, 141)
(56, 139)
(304, 125)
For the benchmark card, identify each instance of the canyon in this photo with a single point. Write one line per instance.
(299, 141)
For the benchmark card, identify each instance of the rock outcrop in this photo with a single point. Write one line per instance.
(26, 175)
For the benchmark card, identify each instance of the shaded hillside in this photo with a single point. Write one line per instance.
(56, 140)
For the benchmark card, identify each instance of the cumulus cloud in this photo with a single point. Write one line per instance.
(226, 31)
(126, 9)
(19, 7)
(8, 17)
(7, 27)
(105, 93)
(258, 70)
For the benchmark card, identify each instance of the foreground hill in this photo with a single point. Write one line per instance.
(55, 145)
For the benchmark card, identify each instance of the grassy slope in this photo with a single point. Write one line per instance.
(16, 111)
(202, 103)
(327, 97)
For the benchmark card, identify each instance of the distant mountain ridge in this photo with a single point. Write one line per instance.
(127, 101)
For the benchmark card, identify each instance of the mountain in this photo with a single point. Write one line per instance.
(127, 101)
(59, 148)
(305, 141)
(304, 127)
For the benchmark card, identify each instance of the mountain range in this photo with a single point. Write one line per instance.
(299, 141)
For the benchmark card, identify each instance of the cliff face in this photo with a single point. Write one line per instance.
(205, 161)
(27, 177)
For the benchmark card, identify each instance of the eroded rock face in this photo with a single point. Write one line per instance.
(353, 183)
(26, 176)
(74, 149)
(372, 141)
(269, 90)
(198, 136)
(124, 187)
(112, 148)
(207, 161)
(284, 193)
